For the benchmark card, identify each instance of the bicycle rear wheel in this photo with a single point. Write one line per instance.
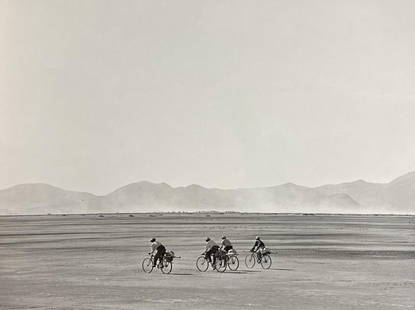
(250, 260)
(266, 261)
(233, 263)
(202, 264)
(167, 267)
(147, 265)
(221, 265)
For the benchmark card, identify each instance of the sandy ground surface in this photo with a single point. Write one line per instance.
(322, 262)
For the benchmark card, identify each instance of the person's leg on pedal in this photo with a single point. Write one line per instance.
(208, 256)
(259, 255)
(215, 251)
(156, 258)
(162, 253)
(227, 249)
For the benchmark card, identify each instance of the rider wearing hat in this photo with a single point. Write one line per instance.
(160, 250)
(226, 244)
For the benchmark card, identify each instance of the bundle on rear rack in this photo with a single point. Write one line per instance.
(169, 256)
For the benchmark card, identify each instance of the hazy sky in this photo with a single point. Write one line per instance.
(98, 94)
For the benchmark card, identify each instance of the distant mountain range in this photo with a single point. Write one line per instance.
(397, 197)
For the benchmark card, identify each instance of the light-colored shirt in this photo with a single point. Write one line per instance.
(226, 242)
(210, 244)
(155, 245)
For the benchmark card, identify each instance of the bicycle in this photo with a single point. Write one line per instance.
(165, 265)
(264, 260)
(202, 263)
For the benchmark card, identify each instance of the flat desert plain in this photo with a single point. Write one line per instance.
(320, 262)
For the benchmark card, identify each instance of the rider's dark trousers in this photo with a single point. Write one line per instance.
(161, 250)
(259, 252)
(211, 252)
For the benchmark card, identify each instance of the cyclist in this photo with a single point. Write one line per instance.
(226, 244)
(258, 247)
(160, 250)
(211, 250)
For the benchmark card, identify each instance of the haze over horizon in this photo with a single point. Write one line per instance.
(235, 94)
(120, 186)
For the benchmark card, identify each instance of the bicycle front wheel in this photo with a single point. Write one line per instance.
(147, 265)
(266, 261)
(202, 264)
(250, 260)
(233, 263)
